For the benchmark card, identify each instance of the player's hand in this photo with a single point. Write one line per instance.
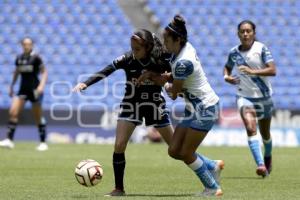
(232, 80)
(79, 87)
(246, 70)
(11, 92)
(39, 90)
(167, 76)
(168, 88)
(162, 79)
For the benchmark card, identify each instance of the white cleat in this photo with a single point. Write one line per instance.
(211, 192)
(216, 173)
(42, 147)
(7, 143)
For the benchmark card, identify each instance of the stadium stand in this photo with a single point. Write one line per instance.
(212, 27)
(73, 37)
(81, 36)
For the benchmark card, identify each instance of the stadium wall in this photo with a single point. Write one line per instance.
(99, 127)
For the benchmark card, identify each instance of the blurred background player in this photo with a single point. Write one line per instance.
(141, 101)
(201, 111)
(29, 65)
(255, 63)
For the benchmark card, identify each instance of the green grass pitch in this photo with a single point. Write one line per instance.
(150, 173)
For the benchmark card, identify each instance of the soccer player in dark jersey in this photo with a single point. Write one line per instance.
(141, 101)
(28, 65)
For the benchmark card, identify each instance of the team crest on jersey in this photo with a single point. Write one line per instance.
(256, 55)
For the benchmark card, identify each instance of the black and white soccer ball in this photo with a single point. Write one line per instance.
(88, 173)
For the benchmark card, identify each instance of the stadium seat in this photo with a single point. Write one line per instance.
(212, 28)
(72, 37)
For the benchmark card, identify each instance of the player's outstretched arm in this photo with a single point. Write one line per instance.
(98, 76)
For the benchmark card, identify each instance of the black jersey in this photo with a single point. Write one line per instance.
(29, 65)
(133, 68)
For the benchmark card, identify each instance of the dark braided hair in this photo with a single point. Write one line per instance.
(177, 29)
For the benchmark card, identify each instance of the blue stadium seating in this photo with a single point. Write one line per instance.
(73, 37)
(212, 30)
(78, 37)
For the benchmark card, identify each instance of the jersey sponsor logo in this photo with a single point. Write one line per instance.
(120, 58)
(237, 58)
(25, 68)
(180, 68)
(147, 82)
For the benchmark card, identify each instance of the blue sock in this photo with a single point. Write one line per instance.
(210, 164)
(268, 147)
(255, 148)
(199, 167)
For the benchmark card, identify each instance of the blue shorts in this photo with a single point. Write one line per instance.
(201, 120)
(263, 106)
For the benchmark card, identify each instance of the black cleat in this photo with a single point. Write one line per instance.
(116, 193)
(268, 163)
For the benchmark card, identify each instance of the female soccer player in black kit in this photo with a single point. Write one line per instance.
(29, 65)
(143, 100)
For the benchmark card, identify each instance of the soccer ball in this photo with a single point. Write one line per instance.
(88, 172)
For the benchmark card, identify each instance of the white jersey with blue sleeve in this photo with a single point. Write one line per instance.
(252, 86)
(196, 88)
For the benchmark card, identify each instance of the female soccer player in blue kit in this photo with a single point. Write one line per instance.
(255, 63)
(201, 111)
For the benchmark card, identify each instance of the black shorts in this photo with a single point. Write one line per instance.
(154, 113)
(32, 96)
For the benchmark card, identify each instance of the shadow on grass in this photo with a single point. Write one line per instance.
(80, 196)
(138, 195)
(243, 177)
(159, 195)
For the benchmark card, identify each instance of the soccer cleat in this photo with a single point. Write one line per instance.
(220, 164)
(207, 192)
(262, 171)
(7, 143)
(268, 163)
(42, 147)
(116, 193)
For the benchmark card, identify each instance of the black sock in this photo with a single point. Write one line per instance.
(11, 130)
(119, 167)
(42, 131)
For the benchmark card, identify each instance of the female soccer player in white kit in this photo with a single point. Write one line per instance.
(201, 111)
(255, 63)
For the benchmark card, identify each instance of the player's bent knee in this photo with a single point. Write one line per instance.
(13, 115)
(174, 154)
(120, 147)
(251, 130)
